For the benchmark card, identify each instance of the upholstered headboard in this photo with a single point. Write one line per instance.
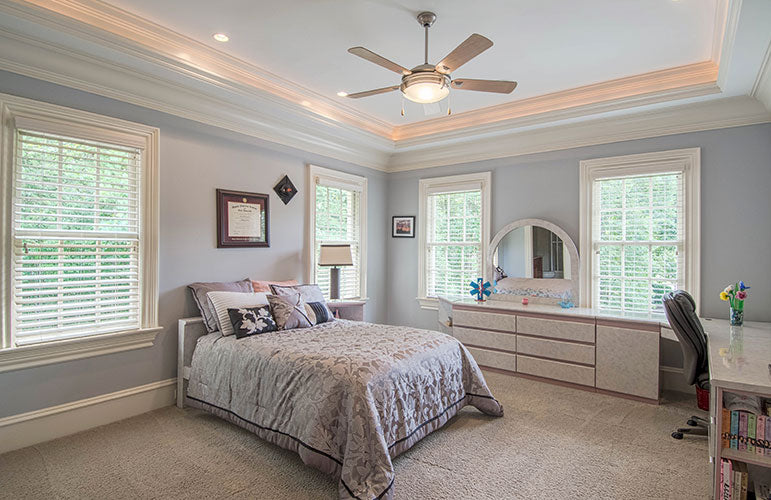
(190, 330)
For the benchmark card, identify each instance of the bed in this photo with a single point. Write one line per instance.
(347, 396)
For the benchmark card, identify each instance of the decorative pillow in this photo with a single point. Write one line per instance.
(248, 321)
(199, 296)
(308, 293)
(220, 302)
(264, 286)
(289, 315)
(318, 312)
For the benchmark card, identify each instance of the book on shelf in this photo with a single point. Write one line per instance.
(760, 434)
(726, 479)
(752, 422)
(726, 426)
(742, 431)
(768, 435)
(734, 480)
(735, 429)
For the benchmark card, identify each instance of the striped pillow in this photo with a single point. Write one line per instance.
(220, 302)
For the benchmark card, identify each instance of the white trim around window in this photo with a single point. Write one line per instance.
(437, 185)
(685, 161)
(18, 113)
(334, 178)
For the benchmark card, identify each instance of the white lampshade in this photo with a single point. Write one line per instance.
(335, 255)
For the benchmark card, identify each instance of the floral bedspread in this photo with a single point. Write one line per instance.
(346, 396)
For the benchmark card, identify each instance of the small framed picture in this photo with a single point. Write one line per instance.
(242, 219)
(403, 226)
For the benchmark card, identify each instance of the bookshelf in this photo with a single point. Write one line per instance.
(746, 457)
(738, 364)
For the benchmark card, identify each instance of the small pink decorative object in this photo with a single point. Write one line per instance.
(525, 301)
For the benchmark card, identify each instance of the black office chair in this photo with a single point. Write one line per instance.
(680, 309)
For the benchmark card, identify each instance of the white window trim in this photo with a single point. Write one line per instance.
(450, 183)
(687, 161)
(15, 112)
(348, 181)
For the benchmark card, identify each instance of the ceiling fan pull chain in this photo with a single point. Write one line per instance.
(402, 104)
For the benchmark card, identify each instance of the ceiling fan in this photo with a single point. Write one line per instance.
(429, 83)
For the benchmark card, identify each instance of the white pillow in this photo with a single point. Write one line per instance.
(220, 302)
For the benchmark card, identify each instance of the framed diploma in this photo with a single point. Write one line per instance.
(242, 219)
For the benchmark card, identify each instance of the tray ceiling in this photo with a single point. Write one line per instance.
(547, 46)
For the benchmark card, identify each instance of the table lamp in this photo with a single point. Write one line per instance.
(335, 256)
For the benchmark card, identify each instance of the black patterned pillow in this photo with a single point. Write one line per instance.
(252, 321)
(318, 312)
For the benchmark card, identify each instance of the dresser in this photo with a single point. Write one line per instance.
(579, 347)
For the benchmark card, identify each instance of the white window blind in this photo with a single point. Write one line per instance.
(338, 221)
(453, 242)
(76, 210)
(637, 240)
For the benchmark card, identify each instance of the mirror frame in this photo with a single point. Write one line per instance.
(566, 239)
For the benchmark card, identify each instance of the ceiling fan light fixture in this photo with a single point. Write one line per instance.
(425, 88)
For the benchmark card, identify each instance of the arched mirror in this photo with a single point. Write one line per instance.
(534, 258)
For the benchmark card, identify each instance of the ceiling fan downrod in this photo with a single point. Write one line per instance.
(426, 19)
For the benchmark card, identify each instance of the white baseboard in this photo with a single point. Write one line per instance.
(26, 429)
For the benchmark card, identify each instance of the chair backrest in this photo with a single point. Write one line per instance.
(680, 309)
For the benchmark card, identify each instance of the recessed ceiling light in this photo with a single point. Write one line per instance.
(221, 37)
(342, 94)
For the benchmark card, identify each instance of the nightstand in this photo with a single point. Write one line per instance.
(348, 309)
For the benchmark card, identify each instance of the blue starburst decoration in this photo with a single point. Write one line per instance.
(480, 289)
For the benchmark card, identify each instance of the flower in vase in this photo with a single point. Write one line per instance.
(742, 286)
(741, 295)
(728, 289)
(723, 296)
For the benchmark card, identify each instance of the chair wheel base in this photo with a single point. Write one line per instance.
(677, 435)
(692, 423)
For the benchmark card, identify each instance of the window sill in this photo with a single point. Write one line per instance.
(428, 303)
(17, 358)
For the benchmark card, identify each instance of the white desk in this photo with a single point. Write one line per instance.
(739, 360)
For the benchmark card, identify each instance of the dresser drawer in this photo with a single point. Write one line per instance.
(484, 319)
(485, 338)
(494, 359)
(556, 329)
(566, 351)
(557, 370)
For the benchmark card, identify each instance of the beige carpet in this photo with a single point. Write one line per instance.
(553, 442)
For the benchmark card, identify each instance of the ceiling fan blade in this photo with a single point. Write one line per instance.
(373, 92)
(379, 60)
(463, 53)
(498, 86)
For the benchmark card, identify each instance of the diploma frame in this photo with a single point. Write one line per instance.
(225, 238)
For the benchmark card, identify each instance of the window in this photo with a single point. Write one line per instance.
(338, 207)
(82, 237)
(454, 231)
(642, 234)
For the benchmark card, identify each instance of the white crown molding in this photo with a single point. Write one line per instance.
(761, 90)
(94, 47)
(111, 26)
(657, 86)
(265, 120)
(724, 36)
(122, 31)
(707, 115)
(26, 429)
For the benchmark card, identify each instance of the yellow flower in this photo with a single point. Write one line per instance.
(723, 296)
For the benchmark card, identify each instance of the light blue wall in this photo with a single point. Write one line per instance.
(735, 216)
(194, 161)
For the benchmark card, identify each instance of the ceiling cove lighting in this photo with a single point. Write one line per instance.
(220, 37)
(342, 93)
